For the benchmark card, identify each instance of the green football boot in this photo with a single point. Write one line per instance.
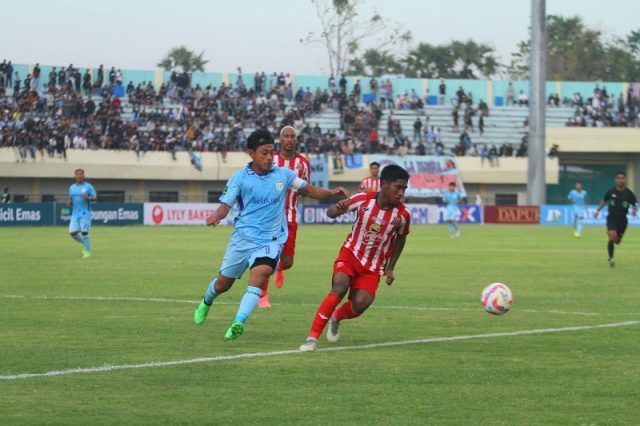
(201, 313)
(235, 331)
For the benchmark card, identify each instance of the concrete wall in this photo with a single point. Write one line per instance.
(594, 140)
(156, 171)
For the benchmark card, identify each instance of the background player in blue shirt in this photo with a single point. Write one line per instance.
(81, 194)
(451, 198)
(579, 199)
(259, 192)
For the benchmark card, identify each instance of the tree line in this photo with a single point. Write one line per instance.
(575, 52)
(358, 43)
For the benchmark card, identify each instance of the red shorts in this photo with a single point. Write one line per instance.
(361, 278)
(290, 246)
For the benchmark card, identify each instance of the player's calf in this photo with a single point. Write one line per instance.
(286, 262)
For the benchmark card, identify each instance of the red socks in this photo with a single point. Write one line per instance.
(323, 314)
(346, 312)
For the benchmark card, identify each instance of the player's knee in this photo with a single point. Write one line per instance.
(361, 305)
(84, 234)
(223, 283)
(73, 234)
(339, 289)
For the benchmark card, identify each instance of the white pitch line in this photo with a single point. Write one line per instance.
(194, 302)
(100, 298)
(107, 368)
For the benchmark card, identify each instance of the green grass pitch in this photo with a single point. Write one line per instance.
(60, 312)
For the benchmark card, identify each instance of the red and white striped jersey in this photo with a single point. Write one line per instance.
(370, 184)
(300, 164)
(374, 232)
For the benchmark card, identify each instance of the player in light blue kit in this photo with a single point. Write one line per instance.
(451, 198)
(259, 192)
(81, 194)
(578, 197)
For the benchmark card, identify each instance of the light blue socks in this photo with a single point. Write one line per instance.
(210, 294)
(248, 304)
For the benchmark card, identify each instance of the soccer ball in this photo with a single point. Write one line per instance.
(496, 299)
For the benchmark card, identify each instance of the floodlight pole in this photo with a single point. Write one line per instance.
(536, 189)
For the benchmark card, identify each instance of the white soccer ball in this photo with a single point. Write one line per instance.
(497, 299)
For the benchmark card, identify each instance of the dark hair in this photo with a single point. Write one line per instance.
(393, 172)
(375, 163)
(78, 170)
(258, 138)
(621, 173)
(579, 182)
(452, 183)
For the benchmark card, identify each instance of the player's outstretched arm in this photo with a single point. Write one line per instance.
(339, 208)
(318, 193)
(397, 250)
(221, 212)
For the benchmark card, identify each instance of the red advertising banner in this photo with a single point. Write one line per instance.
(511, 214)
(429, 175)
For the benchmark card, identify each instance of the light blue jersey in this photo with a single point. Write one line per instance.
(452, 199)
(260, 200)
(578, 199)
(81, 208)
(261, 225)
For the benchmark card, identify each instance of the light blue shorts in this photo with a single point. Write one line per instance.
(453, 213)
(241, 254)
(80, 224)
(579, 213)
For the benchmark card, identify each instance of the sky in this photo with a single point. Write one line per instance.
(261, 35)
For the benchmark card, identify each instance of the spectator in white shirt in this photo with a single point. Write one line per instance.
(79, 142)
(522, 99)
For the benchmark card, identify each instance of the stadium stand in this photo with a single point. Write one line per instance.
(65, 109)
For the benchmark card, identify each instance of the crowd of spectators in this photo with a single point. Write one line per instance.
(72, 111)
(44, 116)
(602, 109)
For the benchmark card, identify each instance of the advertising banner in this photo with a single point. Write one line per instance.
(317, 214)
(421, 214)
(26, 214)
(512, 214)
(181, 213)
(470, 214)
(562, 214)
(429, 175)
(114, 214)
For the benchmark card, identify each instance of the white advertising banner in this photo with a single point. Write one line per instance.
(181, 213)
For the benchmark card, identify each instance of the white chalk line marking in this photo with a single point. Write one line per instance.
(107, 368)
(195, 302)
